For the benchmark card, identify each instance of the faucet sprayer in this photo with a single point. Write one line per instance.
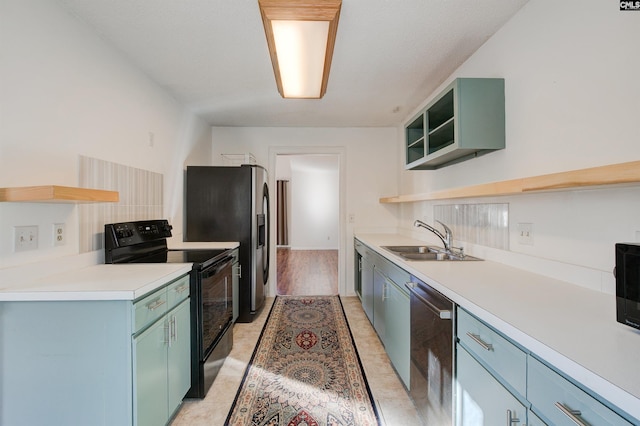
(447, 238)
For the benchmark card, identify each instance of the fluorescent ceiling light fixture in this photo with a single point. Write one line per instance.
(301, 35)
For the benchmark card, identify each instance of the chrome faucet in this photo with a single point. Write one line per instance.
(447, 238)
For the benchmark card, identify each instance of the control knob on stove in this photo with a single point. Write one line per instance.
(124, 233)
(166, 229)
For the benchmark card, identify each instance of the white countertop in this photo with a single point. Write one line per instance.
(102, 281)
(98, 282)
(571, 327)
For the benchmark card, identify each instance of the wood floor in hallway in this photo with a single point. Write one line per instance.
(307, 272)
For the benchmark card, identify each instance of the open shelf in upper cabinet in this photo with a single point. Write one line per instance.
(464, 121)
(57, 194)
(614, 174)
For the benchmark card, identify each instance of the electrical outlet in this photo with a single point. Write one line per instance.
(59, 236)
(525, 233)
(638, 236)
(352, 218)
(26, 238)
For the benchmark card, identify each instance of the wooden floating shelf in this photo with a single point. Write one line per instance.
(614, 174)
(57, 194)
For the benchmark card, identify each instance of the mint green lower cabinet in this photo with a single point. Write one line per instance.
(480, 399)
(98, 363)
(367, 288)
(386, 304)
(151, 394)
(179, 355)
(65, 363)
(551, 398)
(398, 330)
(533, 420)
(162, 367)
(379, 305)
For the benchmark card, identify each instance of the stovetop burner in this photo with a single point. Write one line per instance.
(146, 242)
(201, 258)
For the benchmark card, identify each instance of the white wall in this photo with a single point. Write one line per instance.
(572, 96)
(369, 170)
(315, 203)
(65, 92)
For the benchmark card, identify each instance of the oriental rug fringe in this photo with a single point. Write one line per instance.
(305, 370)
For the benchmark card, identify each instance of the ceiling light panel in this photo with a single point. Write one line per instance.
(300, 36)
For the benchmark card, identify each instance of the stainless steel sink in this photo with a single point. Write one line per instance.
(410, 249)
(426, 253)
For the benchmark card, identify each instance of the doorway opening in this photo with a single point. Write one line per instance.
(307, 224)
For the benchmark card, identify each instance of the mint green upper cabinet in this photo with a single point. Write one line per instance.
(466, 120)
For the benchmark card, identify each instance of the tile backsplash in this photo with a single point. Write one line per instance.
(140, 198)
(482, 224)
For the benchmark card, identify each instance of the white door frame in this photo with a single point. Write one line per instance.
(340, 151)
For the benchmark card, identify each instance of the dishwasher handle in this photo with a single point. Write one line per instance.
(444, 314)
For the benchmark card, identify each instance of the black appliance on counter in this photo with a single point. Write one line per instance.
(210, 290)
(627, 273)
(232, 204)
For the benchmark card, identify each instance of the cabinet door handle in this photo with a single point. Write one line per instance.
(510, 419)
(167, 333)
(476, 338)
(572, 414)
(155, 305)
(174, 328)
(181, 289)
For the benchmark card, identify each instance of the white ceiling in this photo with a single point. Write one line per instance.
(212, 55)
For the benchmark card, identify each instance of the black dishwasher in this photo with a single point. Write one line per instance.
(431, 371)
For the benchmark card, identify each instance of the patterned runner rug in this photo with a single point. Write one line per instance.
(305, 370)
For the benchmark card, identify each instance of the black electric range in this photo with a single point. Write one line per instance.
(210, 289)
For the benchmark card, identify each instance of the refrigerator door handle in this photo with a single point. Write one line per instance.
(261, 230)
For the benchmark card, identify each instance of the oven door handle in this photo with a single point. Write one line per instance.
(442, 313)
(214, 269)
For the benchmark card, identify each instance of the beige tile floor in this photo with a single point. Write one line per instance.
(392, 401)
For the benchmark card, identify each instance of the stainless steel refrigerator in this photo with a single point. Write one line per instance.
(232, 204)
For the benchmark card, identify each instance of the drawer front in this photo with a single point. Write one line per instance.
(555, 398)
(503, 357)
(177, 291)
(149, 309)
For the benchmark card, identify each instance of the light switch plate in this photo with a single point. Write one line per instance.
(525, 233)
(26, 238)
